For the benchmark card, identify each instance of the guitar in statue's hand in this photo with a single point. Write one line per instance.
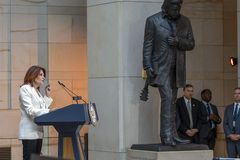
(144, 93)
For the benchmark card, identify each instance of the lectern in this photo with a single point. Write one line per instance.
(67, 121)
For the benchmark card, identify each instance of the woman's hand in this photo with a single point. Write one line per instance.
(53, 109)
(48, 90)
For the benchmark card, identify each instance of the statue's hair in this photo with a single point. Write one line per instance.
(166, 4)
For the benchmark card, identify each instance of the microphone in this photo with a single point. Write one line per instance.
(74, 96)
(61, 84)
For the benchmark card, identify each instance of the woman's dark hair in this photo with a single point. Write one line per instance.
(32, 74)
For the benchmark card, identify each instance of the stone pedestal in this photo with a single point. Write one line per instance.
(158, 147)
(170, 155)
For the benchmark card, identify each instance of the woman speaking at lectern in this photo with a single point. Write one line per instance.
(32, 104)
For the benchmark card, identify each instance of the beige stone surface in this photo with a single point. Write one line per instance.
(4, 2)
(68, 75)
(93, 3)
(238, 6)
(53, 150)
(23, 9)
(230, 29)
(197, 27)
(220, 130)
(212, 32)
(212, 59)
(194, 61)
(8, 116)
(28, 28)
(23, 56)
(220, 148)
(60, 27)
(29, 2)
(176, 155)
(4, 94)
(15, 85)
(65, 3)
(79, 28)
(67, 57)
(4, 24)
(230, 6)
(4, 52)
(67, 10)
(228, 88)
(103, 44)
(16, 152)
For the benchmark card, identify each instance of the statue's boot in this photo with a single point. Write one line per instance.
(179, 140)
(167, 138)
(168, 141)
(175, 124)
(176, 138)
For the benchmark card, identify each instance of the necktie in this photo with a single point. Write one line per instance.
(209, 113)
(235, 114)
(190, 113)
(208, 109)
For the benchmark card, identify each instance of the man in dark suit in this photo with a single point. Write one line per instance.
(188, 113)
(168, 35)
(210, 118)
(231, 125)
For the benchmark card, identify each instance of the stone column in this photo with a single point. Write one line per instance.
(238, 38)
(115, 38)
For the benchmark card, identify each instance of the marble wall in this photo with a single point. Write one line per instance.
(50, 33)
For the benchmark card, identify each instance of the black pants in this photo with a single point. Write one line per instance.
(209, 140)
(233, 148)
(31, 147)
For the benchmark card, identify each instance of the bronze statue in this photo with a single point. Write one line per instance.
(168, 34)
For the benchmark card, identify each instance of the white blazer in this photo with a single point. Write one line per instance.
(32, 105)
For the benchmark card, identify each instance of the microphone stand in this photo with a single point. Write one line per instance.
(71, 93)
(75, 98)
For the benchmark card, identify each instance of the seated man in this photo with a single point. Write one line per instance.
(188, 113)
(210, 119)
